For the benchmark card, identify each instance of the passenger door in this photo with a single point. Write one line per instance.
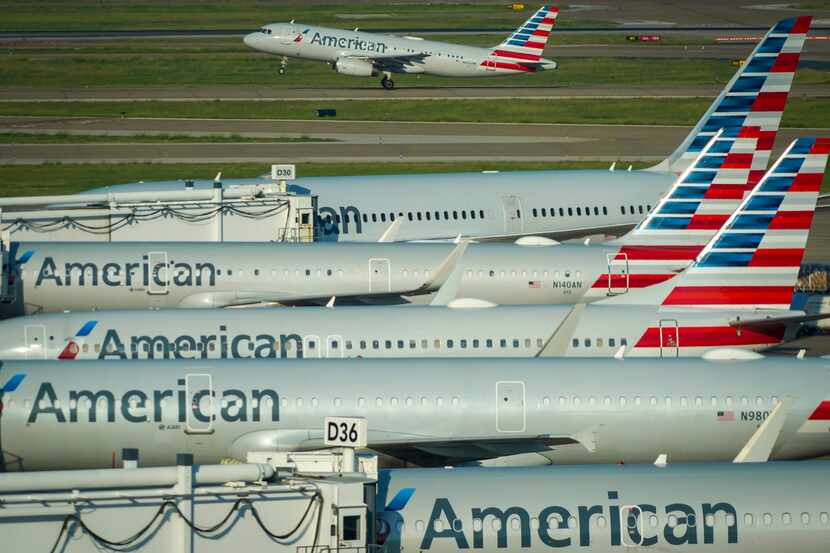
(200, 404)
(512, 208)
(159, 273)
(618, 275)
(631, 521)
(379, 278)
(510, 397)
(669, 338)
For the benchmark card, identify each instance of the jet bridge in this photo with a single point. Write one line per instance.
(277, 502)
(262, 212)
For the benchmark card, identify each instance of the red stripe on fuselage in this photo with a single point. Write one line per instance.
(708, 336)
(517, 55)
(659, 253)
(633, 281)
(730, 295)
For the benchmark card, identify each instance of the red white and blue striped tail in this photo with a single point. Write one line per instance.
(753, 261)
(753, 101)
(528, 41)
(697, 205)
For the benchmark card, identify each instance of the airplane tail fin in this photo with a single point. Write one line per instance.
(753, 261)
(754, 97)
(528, 41)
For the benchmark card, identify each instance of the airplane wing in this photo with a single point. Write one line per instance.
(443, 452)
(391, 62)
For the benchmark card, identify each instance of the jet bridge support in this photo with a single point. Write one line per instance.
(288, 502)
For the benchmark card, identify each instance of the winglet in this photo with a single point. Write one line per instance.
(620, 353)
(661, 461)
(445, 269)
(557, 343)
(801, 353)
(330, 303)
(759, 447)
(391, 233)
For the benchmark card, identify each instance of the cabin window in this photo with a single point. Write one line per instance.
(604, 210)
(475, 343)
(383, 217)
(449, 344)
(489, 343)
(622, 209)
(596, 211)
(578, 211)
(503, 343)
(481, 213)
(455, 215)
(375, 344)
(428, 216)
(641, 209)
(418, 215)
(464, 214)
(446, 215)
(611, 342)
(472, 214)
(575, 342)
(409, 215)
(365, 218)
(535, 213)
(570, 212)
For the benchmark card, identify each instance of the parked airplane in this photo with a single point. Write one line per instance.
(428, 411)
(567, 203)
(363, 54)
(80, 276)
(742, 508)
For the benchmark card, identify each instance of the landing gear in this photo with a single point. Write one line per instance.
(387, 82)
(283, 65)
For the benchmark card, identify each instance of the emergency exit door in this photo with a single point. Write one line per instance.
(669, 338)
(512, 207)
(5, 267)
(510, 397)
(379, 276)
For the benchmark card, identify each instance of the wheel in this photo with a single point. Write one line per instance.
(387, 83)
(281, 70)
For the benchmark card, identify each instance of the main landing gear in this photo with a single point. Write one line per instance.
(387, 82)
(283, 65)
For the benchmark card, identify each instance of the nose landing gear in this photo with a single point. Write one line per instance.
(387, 82)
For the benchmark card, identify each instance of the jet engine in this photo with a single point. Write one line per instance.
(356, 68)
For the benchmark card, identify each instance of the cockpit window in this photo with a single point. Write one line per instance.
(265, 30)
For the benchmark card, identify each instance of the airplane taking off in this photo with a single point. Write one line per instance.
(363, 54)
(568, 203)
(766, 234)
(431, 412)
(716, 507)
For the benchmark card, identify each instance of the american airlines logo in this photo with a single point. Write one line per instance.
(561, 526)
(177, 404)
(143, 273)
(349, 43)
(186, 346)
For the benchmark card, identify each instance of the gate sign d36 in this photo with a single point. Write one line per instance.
(283, 172)
(345, 432)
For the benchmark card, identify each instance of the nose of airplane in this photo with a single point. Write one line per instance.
(250, 40)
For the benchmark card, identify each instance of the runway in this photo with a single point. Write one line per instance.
(356, 141)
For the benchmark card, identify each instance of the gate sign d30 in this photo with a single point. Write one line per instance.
(345, 432)
(283, 172)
